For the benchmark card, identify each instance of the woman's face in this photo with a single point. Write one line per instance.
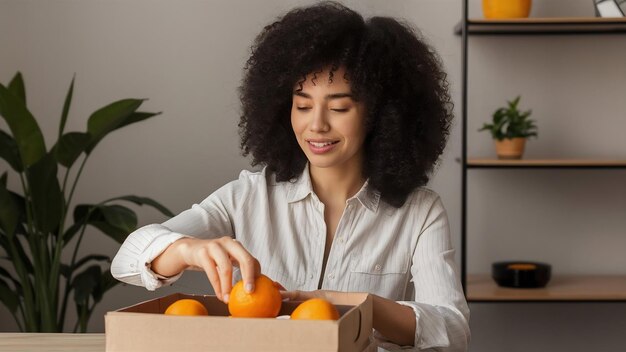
(328, 123)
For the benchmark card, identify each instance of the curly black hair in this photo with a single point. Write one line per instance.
(389, 67)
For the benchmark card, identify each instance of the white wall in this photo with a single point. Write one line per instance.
(186, 57)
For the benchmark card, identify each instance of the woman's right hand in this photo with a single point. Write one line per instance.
(216, 257)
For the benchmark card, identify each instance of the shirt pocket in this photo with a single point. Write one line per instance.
(386, 277)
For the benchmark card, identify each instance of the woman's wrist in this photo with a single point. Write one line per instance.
(171, 262)
(393, 320)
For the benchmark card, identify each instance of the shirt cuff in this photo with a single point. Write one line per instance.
(381, 342)
(430, 330)
(149, 278)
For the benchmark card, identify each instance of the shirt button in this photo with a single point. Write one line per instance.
(378, 267)
(132, 265)
(311, 277)
(331, 276)
(341, 240)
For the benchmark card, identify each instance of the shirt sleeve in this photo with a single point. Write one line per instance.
(441, 311)
(209, 219)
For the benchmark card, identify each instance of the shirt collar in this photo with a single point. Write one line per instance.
(302, 187)
(368, 196)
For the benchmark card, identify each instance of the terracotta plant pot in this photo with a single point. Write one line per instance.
(510, 148)
(500, 9)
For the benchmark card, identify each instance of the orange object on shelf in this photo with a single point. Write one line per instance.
(499, 9)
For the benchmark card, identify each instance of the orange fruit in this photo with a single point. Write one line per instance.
(315, 309)
(186, 307)
(263, 302)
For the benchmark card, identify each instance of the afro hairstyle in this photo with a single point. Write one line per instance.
(389, 67)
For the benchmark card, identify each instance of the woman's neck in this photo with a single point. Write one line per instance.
(335, 185)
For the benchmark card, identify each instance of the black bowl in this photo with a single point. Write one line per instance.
(521, 274)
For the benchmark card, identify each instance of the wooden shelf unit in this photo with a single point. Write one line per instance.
(562, 288)
(542, 26)
(566, 288)
(546, 163)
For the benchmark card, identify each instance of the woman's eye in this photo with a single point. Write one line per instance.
(340, 110)
(301, 108)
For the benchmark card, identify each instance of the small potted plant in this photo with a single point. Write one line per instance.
(510, 129)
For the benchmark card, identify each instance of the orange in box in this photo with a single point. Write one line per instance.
(144, 327)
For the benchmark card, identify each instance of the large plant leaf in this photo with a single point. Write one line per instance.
(136, 117)
(120, 216)
(70, 146)
(4, 273)
(8, 297)
(9, 211)
(108, 118)
(84, 214)
(9, 151)
(45, 193)
(85, 283)
(144, 200)
(23, 126)
(66, 107)
(21, 206)
(114, 221)
(16, 86)
(107, 282)
(96, 257)
(71, 232)
(81, 211)
(4, 243)
(117, 234)
(67, 270)
(23, 258)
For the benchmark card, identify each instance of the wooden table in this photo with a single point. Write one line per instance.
(40, 342)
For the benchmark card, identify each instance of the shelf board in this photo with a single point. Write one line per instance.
(482, 288)
(546, 163)
(541, 26)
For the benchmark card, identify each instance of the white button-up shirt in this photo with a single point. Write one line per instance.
(403, 254)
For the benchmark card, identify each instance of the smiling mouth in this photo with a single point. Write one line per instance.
(322, 144)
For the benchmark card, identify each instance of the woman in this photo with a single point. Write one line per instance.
(348, 119)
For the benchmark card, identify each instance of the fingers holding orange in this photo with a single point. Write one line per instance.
(224, 270)
(250, 266)
(264, 302)
(216, 258)
(209, 267)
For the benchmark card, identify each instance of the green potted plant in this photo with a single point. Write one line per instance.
(37, 224)
(510, 129)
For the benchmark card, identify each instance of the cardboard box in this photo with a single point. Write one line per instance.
(143, 327)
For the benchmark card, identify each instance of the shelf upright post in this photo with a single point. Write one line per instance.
(464, 34)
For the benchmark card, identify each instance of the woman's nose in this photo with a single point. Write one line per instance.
(319, 123)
